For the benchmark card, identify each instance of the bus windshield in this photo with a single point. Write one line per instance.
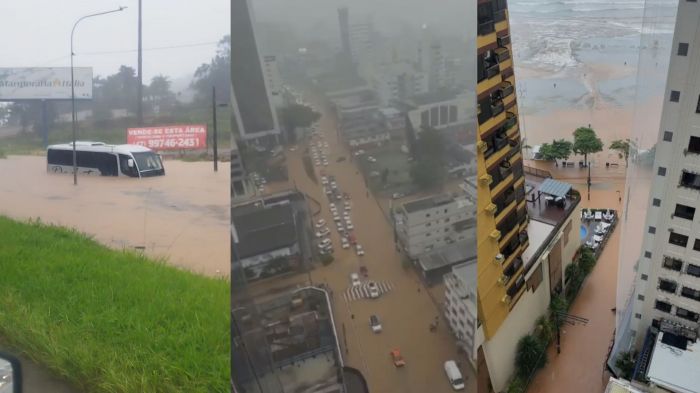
(148, 162)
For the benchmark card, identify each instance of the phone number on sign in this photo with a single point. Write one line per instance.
(172, 143)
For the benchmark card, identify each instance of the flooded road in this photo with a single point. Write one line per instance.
(182, 217)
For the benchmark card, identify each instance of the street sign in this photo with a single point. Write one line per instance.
(45, 83)
(172, 137)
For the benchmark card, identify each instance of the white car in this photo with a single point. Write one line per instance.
(320, 223)
(347, 205)
(375, 324)
(373, 290)
(292, 148)
(325, 242)
(359, 250)
(322, 233)
(340, 226)
(328, 191)
(317, 163)
(359, 153)
(349, 226)
(344, 242)
(355, 279)
(324, 180)
(371, 159)
(346, 215)
(325, 163)
(332, 206)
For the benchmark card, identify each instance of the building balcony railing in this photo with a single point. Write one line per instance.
(511, 120)
(503, 41)
(513, 268)
(502, 54)
(486, 27)
(500, 141)
(492, 71)
(499, 16)
(505, 168)
(515, 288)
(497, 108)
(506, 89)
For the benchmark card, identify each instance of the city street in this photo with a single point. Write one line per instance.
(405, 311)
(580, 366)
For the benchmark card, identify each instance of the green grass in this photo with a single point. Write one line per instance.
(111, 321)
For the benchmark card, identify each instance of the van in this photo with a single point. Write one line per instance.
(454, 375)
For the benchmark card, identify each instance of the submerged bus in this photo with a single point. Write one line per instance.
(106, 160)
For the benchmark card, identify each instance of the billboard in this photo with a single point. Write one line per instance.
(44, 83)
(173, 137)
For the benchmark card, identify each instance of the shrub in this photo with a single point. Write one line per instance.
(530, 356)
(586, 261)
(544, 329)
(558, 304)
(516, 385)
(326, 259)
(625, 362)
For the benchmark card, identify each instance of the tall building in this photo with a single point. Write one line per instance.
(255, 119)
(662, 317)
(344, 22)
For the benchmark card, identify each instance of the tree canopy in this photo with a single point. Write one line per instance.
(622, 147)
(586, 142)
(215, 73)
(428, 170)
(557, 150)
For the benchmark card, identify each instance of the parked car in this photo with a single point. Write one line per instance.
(326, 241)
(454, 375)
(349, 226)
(396, 358)
(375, 324)
(340, 227)
(373, 290)
(344, 243)
(320, 223)
(322, 233)
(397, 195)
(355, 279)
(359, 250)
(371, 159)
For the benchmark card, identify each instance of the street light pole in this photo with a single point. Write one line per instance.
(72, 88)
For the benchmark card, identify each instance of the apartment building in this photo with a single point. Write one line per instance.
(460, 307)
(360, 121)
(666, 298)
(430, 223)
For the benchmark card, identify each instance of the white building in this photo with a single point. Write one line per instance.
(427, 224)
(440, 110)
(460, 307)
(362, 46)
(667, 286)
(399, 81)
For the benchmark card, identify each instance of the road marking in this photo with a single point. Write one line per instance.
(362, 291)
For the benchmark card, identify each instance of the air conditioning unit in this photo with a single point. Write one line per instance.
(495, 235)
(481, 146)
(491, 208)
(504, 280)
(500, 258)
(486, 179)
(506, 299)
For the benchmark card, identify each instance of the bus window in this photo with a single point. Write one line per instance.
(124, 165)
(106, 163)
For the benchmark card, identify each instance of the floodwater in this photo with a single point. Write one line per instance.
(182, 217)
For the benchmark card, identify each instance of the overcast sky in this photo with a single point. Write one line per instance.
(37, 33)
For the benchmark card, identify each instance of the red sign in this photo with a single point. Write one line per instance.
(177, 137)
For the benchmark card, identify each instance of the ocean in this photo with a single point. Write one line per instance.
(586, 52)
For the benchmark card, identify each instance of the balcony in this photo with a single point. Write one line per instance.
(524, 237)
(503, 41)
(505, 168)
(511, 120)
(515, 288)
(492, 71)
(499, 16)
(486, 28)
(502, 54)
(497, 108)
(513, 268)
(506, 89)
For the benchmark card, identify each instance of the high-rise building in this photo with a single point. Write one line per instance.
(661, 318)
(255, 119)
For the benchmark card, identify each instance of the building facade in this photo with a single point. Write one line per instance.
(460, 307)
(667, 285)
(427, 224)
(255, 119)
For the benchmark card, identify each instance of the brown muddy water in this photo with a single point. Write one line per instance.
(182, 216)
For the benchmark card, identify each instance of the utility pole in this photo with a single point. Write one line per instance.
(589, 181)
(139, 99)
(215, 144)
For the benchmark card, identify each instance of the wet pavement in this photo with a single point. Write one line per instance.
(580, 366)
(405, 311)
(182, 217)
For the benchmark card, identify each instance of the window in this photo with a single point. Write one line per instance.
(687, 314)
(682, 49)
(690, 180)
(690, 293)
(647, 254)
(638, 316)
(683, 211)
(675, 95)
(694, 144)
(656, 202)
(667, 285)
(661, 171)
(640, 297)
(693, 270)
(453, 114)
(662, 306)
(434, 116)
(644, 277)
(425, 119)
(677, 239)
(443, 115)
(652, 230)
(668, 136)
(674, 264)
(696, 245)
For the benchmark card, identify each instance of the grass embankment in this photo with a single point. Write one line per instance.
(111, 321)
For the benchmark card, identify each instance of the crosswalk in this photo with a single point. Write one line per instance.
(362, 291)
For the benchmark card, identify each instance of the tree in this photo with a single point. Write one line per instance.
(159, 93)
(544, 329)
(297, 115)
(428, 169)
(530, 356)
(622, 147)
(586, 142)
(216, 73)
(586, 260)
(427, 174)
(625, 362)
(516, 385)
(558, 150)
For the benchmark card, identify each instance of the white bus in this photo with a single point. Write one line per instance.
(106, 160)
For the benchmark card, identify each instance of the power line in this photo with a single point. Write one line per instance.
(148, 49)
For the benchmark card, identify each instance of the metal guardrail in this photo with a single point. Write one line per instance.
(537, 172)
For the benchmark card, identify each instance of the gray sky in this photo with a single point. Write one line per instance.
(37, 33)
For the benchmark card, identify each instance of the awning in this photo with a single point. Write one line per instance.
(555, 187)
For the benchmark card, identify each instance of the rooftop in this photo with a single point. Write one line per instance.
(537, 232)
(620, 386)
(674, 368)
(428, 203)
(540, 210)
(434, 97)
(466, 274)
(456, 253)
(261, 229)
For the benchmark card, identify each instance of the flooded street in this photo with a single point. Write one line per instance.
(405, 311)
(182, 217)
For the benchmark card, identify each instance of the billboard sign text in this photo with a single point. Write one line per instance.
(172, 137)
(44, 83)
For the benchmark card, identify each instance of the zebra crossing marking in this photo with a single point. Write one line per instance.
(362, 291)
